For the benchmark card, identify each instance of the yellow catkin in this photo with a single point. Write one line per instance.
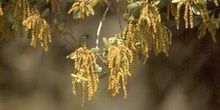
(80, 9)
(84, 62)
(74, 85)
(186, 13)
(207, 24)
(1, 12)
(216, 2)
(40, 30)
(197, 1)
(20, 9)
(204, 14)
(177, 18)
(83, 93)
(74, 6)
(55, 5)
(119, 60)
(172, 9)
(147, 32)
(150, 14)
(191, 17)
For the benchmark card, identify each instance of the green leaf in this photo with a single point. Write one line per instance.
(72, 57)
(119, 41)
(23, 23)
(98, 70)
(112, 39)
(126, 16)
(75, 14)
(134, 5)
(105, 54)
(106, 43)
(79, 78)
(96, 49)
(29, 35)
(179, 4)
(14, 26)
(196, 22)
(83, 40)
(136, 12)
(96, 66)
(91, 11)
(9, 17)
(45, 13)
(196, 9)
(163, 3)
(202, 2)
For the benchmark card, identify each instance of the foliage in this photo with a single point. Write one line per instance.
(148, 28)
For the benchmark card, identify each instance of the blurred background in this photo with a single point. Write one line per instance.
(31, 79)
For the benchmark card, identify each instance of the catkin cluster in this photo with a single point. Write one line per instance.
(171, 11)
(190, 7)
(40, 29)
(84, 62)
(188, 12)
(119, 59)
(20, 9)
(194, 9)
(150, 15)
(80, 9)
(209, 23)
(147, 32)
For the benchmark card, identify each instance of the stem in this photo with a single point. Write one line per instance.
(100, 23)
(103, 60)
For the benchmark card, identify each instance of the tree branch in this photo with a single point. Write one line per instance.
(100, 23)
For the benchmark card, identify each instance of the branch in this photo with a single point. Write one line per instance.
(100, 23)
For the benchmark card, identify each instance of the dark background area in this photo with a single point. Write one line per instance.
(188, 79)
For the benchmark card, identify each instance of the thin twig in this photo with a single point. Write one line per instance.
(100, 23)
(103, 60)
(103, 75)
(119, 21)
